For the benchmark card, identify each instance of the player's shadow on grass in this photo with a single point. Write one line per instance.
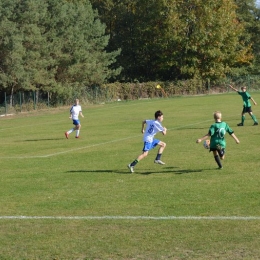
(159, 171)
(98, 171)
(187, 171)
(172, 171)
(43, 139)
(123, 171)
(141, 172)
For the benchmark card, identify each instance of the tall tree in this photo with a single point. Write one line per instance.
(249, 14)
(81, 57)
(138, 27)
(12, 51)
(210, 39)
(30, 15)
(52, 44)
(176, 39)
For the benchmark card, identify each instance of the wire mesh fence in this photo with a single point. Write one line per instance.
(24, 101)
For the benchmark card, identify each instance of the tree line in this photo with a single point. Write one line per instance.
(182, 39)
(52, 45)
(63, 46)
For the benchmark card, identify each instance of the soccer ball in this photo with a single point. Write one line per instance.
(206, 144)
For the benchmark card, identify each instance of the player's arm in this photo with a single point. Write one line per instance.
(203, 138)
(70, 113)
(233, 88)
(81, 114)
(253, 101)
(235, 138)
(164, 131)
(143, 124)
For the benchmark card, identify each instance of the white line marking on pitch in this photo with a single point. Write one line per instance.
(67, 151)
(89, 146)
(245, 218)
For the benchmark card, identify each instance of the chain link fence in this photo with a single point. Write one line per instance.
(24, 101)
(36, 100)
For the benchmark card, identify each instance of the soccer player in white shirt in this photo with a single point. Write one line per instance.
(152, 128)
(75, 111)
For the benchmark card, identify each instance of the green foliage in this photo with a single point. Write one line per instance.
(210, 39)
(110, 92)
(67, 47)
(133, 91)
(249, 15)
(166, 40)
(52, 44)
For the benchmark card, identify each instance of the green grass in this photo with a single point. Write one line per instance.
(45, 175)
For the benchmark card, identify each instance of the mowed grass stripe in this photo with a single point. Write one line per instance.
(107, 213)
(244, 218)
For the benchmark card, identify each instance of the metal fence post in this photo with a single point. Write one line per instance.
(5, 105)
(34, 99)
(20, 99)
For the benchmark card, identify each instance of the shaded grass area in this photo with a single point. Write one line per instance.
(44, 174)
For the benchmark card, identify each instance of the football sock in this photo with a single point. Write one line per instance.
(134, 162)
(158, 157)
(77, 132)
(218, 161)
(243, 119)
(70, 131)
(254, 118)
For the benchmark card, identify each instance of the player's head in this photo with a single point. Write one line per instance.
(243, 89)
(76, 101)
(158, 115)
(217, 115)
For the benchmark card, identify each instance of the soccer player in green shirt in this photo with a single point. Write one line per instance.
(217, 133)
(247, 105)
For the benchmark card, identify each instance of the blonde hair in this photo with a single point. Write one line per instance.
(217, 115)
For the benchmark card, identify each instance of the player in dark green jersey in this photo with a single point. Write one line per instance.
(247, 105)
(217, 133)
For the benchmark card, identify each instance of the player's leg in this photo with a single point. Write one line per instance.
(137, 160)
(217, 159)
(146, 148)
(77, 128)
(242, 118)
(221, 152)
(160, 151)
(69, 132)
(253, 117)
(142, 156)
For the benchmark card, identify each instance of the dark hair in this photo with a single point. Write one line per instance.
(158, 113)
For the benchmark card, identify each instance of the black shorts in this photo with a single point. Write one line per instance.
(246, 110)
(221, 152)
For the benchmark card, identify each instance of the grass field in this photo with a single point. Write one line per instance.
(75, 198)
